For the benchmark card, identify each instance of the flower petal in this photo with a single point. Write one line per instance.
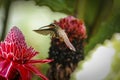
(40, 61)
(35, 70)
(24, 73)
(7, 70)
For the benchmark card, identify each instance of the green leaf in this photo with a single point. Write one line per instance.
(65, 6)
(105, 31)
(97, 11)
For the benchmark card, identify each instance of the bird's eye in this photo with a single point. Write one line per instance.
(52, 24)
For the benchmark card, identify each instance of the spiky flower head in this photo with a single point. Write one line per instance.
(16, 58)
(66, 60)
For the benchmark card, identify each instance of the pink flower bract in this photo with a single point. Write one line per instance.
(15, 58)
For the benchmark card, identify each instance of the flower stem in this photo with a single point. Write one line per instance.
(7, 5)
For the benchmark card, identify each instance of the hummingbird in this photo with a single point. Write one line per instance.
(56, 31)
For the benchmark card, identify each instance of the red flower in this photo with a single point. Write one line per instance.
(74, 27)
(15, 58)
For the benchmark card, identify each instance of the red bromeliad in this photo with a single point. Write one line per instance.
(15, 58)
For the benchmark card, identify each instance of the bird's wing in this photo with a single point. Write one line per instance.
(63, 35)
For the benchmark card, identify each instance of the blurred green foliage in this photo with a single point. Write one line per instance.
(65, 6)
(115, 71)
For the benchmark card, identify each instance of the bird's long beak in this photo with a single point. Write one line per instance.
(48, 27)
(45, 30)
